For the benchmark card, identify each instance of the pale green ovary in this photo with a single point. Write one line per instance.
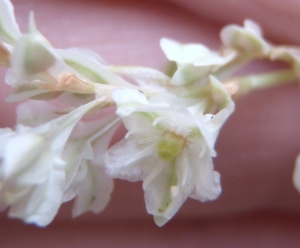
(169, 146)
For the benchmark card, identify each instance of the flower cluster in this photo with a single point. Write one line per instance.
(173, 119)
(168, 148)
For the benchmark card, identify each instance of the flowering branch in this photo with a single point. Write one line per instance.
(173, 119)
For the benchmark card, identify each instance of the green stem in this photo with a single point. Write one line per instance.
(263, 80)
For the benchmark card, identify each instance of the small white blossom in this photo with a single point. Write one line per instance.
(33, 62)
(211, 97)
(86, 180)
(287, 54)
(169, 150)
(88, 65)
(247, 39)
(34, 58)
(38, 70)
(32, 175)
(194, 61)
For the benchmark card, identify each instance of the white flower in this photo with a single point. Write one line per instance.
(32, 172)
(90, 66)
(34, 58)
(211, 97)
(247, 39)
(85, 176)
(170, 150)
(33, 62)
(39, 70)
(289, 55)
(194, 61)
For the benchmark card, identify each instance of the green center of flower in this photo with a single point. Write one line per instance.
(169, 146)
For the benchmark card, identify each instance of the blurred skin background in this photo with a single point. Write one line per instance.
(257, 147)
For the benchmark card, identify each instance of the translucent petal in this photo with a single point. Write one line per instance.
(129, 160)
(91, 68)
(33, 113)
(183, 53)
(253, 27)
(5, 134)
(94, 192)
(23, 89)
(205, 182)
(158, 197)
(168, 98)
(215, 59)
(287, 54)
(210, 127)
(86, 138)
(34, 58)
(248, 38)
(188, 73)
(41, 205)
(9, 29)
(154, 172)
(83, 52)
(89, 141)
(147, 75)
(128, 100)
(74, 178)
(137, 123)
(220, 95)
(36, 165)
(13, 161)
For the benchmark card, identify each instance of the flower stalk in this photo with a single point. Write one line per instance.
(241, 85)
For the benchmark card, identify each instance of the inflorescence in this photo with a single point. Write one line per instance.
(173, 119)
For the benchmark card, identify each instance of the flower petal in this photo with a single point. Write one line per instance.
(34, 58)
(9, 29)
(41, 205)
(248, 38)
(124, 160)
(210, 127)
(33, 113)
(142, 75)
(205, 181)
(159, 198)
(89, 141)
(86, 64)
(128, 100)
(183, 53)
(94, 192)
